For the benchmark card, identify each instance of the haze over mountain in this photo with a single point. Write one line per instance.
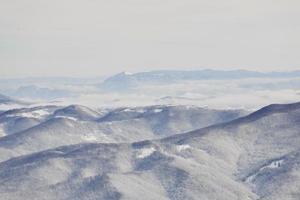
(53, 150)
(126, 80)
(203, 109)
(9, 103)
(7, 100)
(203, 88)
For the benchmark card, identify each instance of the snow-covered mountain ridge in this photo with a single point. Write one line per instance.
(252, 157)
(29, 130)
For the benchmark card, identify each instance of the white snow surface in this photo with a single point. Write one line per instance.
(66, 117)
(183, 147)
(32, 114)
(157, 110)
(143, 153)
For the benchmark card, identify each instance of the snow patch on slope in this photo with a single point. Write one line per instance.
(183, 147)
(143, 153)
(157, 110)
(66, 117)
(89, 138)
(273, 165)
(33, 114)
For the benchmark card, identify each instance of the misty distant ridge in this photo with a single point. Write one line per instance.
(6, 100)
(213, 88)
(126, 80)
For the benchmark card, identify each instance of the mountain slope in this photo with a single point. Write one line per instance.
(254, 157)
(5, 100)
(114, 171)
(16, 120)
(79, 124)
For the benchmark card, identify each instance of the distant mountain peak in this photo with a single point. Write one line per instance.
(126, 80)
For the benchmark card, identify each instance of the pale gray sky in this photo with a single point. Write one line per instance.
(97, 37)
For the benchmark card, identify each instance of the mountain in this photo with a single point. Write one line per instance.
(78, 112)
(16, 120)
(79, 124)
(7, 100)
(34, 92)
(252, 157)
(7, 103)
(169, 120)
(125, 80)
